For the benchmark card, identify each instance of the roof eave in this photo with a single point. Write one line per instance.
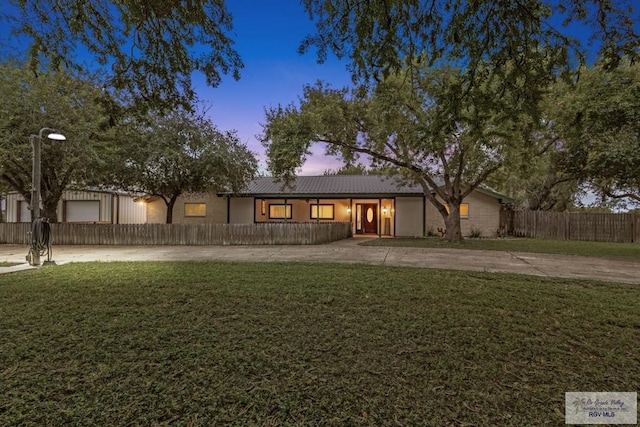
(323, 195)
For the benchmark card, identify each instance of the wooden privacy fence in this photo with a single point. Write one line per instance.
(598, 227)
(183, 234)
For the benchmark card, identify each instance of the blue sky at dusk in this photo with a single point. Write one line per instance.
(267, 38)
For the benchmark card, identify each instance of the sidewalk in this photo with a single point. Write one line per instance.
(348, 251)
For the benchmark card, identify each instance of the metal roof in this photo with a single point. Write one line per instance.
(342, 185)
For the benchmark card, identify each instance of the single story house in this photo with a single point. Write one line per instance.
(373, 204)
(86, 206)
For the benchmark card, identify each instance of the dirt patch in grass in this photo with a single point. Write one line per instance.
(306, 344)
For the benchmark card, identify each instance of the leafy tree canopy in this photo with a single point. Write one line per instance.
(356, 169)
(383, 36)
(431, 126)
(55, 99)
(513, 44)
(182, 152)
(598, 120)
(149, 48)
(591, 130)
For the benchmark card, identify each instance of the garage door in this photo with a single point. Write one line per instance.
(82, 210)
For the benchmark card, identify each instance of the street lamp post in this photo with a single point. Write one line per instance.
(36, 142)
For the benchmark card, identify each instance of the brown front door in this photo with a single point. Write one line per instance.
(370, 219)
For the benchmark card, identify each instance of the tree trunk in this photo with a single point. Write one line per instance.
(170, 204)
(452, 223)
(50, 210)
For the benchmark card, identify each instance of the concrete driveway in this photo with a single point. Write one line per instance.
(348, 251)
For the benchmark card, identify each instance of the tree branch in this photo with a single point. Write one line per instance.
(613, 195)
(481, 178)
(400, 163)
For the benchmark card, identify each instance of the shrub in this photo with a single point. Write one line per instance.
(475, 233)
(431, 232)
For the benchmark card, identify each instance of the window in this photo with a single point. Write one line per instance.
(322, 212)
(464, 210)
(195, 209)
(278, 211)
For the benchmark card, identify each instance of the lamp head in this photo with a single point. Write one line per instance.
(57, 136)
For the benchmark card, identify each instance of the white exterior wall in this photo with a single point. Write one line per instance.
(409, 216)
(130, 212)
(16, 204)
(13, 206)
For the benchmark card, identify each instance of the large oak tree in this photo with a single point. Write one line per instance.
(428, 125)
(58, 99)
(592, 136)
(167, 155)
(516, 46)
(598, 121)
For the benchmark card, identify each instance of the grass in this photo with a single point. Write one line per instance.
(561, 247)
(8, 264)
(201, 344)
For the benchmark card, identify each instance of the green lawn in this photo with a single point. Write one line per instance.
(203, 344)
(564, 247)
(8, 264)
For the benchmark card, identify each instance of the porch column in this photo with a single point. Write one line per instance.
(394, 217)
(379, 218)
(424, 216)
(318, 211)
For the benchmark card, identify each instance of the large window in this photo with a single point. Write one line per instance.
(195, 209)
(279, 211)
(464, 210)
(322, 212)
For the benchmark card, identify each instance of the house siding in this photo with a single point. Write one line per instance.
(13, 206)
(409, 214)
(216, 210)
(484, 215)
(130, 212)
